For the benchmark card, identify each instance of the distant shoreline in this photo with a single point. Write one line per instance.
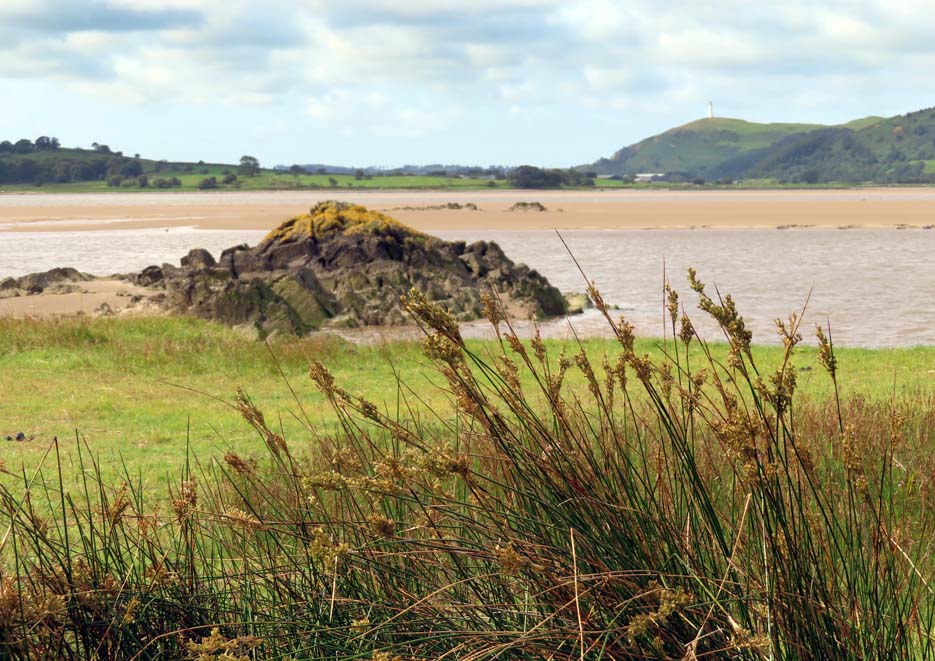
(896, 208)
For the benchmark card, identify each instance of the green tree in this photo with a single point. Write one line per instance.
(81, 171)
(45, 143)
(249, 166)
(61, 171)
(23, 146)
(131, 169)
(528, 176)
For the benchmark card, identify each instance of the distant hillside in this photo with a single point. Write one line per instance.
(45, 162)
(897, 149)
(29, 164)
(697, 147)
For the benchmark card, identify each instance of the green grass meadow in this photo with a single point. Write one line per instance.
(140, 391)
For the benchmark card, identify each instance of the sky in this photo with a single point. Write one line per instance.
(391, 82)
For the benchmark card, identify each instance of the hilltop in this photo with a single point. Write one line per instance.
(898, 149)
(697, 147)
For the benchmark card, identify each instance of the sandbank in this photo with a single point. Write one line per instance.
(95, 297)
(591, 209)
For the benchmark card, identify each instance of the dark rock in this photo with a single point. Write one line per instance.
(528, 206)
(343, 265)
(35, 283)
(198, 258)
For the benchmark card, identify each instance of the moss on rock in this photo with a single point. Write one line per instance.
(329, 219)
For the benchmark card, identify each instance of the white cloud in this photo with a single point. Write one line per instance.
(422, 67)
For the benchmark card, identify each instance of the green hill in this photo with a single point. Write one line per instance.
(44, 162)
(862, 123)
(697, 147)
(897, 149)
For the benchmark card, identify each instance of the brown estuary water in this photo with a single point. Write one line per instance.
(876, 286)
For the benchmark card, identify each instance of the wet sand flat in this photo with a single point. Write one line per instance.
(630, 209)
(116, 294)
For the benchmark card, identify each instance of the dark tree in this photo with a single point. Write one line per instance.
(297, 169)
(528, 176)
(6, 147)
(23, 146)
(81, 171)
(43, 143)
(61, 172)
(249, 166)
(811, 176)
(208, 184)
(131, 168)
(27, 170)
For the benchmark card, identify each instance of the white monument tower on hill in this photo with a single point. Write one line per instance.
(710, 109)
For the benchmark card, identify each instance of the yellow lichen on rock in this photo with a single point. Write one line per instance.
(331, 218)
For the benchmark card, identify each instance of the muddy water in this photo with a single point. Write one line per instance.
(877, 287)
(107, 252)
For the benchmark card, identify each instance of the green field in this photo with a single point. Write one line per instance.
(265, 180)
(140, 390)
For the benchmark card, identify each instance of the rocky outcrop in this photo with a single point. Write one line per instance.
(58, 280)
(528, 206)
(342, 265)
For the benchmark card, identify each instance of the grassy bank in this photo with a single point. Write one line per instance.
(688, 502)
(143, 389)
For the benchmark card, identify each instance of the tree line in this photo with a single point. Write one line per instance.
(26, 146)
(64, 170)
(529, 176)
